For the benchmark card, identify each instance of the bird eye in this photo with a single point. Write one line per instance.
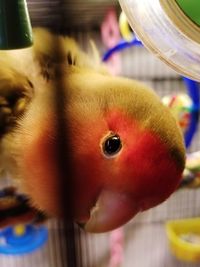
(112, 145)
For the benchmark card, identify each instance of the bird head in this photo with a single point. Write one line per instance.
(126, 150)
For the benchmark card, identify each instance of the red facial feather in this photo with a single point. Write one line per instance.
(39, 167)
(143, 169)
(146, 167)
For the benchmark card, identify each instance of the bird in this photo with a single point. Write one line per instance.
(125, 150)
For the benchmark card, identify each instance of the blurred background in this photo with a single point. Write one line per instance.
(143, 241)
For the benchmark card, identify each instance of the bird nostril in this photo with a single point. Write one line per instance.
(81, 224)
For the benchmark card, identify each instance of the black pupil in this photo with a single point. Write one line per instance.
(112, 145)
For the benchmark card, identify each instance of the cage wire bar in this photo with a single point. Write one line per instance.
(145, 240)
(68, 253)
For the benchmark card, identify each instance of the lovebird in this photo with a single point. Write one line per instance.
(126, 150)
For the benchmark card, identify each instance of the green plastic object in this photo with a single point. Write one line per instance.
(15, 26)
(191, 8)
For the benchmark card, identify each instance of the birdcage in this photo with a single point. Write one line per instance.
(143, 241)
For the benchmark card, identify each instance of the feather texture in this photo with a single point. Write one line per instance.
(145, 170)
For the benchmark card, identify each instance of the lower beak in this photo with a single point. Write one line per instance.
(111, 211)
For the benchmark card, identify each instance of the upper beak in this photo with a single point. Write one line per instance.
(112, 210)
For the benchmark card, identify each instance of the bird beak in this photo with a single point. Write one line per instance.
(111, 211)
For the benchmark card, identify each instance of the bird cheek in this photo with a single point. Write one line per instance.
(149, 171)
(39, 169)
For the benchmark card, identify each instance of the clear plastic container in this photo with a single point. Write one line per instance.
(168, 32)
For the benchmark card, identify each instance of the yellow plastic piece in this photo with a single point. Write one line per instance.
(124, 27)
(182, 249)
(19, 229)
